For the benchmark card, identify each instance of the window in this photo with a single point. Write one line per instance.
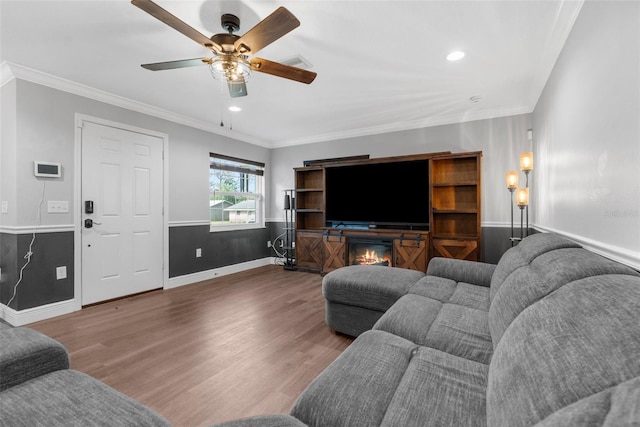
(236, 193)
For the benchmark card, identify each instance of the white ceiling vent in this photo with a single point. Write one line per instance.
(297, 61)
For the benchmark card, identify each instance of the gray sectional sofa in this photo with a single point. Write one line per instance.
(550, 336)
(37, 388)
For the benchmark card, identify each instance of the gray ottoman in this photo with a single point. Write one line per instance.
(358, 295)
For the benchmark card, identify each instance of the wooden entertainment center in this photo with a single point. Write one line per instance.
(454, 217)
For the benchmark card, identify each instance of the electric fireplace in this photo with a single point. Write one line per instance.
(370, 252)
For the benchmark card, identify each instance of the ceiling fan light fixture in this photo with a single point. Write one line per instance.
(232, 70)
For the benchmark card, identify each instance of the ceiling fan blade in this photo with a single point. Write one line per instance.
(170, 65)
(281, 70)
(237, 89)
(267, 31)
(161, 14)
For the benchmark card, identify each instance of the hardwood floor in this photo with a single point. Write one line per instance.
(231, 347)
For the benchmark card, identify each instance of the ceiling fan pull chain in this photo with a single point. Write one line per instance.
(221, 103)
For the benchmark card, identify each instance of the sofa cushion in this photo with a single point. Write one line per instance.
(451, 328)
(355, 390)
(71, 398)
(439, 389)
(574, 343)
(544, 274)
(26, 354)
(383, 379)
(369, 286)
(410, 318)
(477, 273)
(613, 407)
(526, 251)
(471, 296)
(434, 287)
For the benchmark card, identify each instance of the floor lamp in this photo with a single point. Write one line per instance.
(526, 166)
(512, 185)
(522, 200)
(522, 194)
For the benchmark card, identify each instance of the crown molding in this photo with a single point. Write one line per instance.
(408, 125)
(10, 71)
(6, 75)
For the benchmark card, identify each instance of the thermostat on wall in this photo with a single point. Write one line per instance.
(47, 169)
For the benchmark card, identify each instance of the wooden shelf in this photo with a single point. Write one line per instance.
(456, 184)
(449, 211)
(455, 206)
(309, 190)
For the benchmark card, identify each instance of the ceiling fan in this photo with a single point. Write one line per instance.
(231, 59)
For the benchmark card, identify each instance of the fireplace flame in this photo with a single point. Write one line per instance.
(370, 257)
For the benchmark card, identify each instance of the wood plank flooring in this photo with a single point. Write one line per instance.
(235, 346)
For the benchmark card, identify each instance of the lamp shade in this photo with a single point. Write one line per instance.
(526, 161)
(512, 180)
(522, 196)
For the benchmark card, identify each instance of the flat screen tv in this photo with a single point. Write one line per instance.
(393, 195)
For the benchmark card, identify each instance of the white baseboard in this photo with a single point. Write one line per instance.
(30, 315)
(189, 279)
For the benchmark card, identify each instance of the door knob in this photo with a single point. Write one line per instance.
(88, 223)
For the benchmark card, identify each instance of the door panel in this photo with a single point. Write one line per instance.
(122, 253)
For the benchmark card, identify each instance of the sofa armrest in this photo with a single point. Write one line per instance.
(26, 354)
(476, 273)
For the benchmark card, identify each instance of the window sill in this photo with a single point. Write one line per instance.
(235, 227)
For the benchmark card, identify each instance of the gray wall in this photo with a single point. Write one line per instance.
(45, 131)
(501, 140)
(38, 124)
(39, 285)
(218, 249)
(586, 182)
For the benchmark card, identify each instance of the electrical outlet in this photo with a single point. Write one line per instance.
(198, 253)
(61, 272)
(4, 207)
(269, 243)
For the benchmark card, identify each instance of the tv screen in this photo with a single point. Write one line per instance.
(378, 194)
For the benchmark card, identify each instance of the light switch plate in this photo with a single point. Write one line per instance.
(58, 206)
(61, 272)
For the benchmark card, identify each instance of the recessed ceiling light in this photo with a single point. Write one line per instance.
(235, 108)
(455, 55)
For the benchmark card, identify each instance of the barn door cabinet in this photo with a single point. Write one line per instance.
(455, 206)
(412, 253)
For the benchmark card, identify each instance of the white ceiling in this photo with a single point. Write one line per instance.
(381, 64)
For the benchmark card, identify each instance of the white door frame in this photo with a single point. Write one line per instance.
(80, 119)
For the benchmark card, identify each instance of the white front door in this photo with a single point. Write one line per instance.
(122, 175)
